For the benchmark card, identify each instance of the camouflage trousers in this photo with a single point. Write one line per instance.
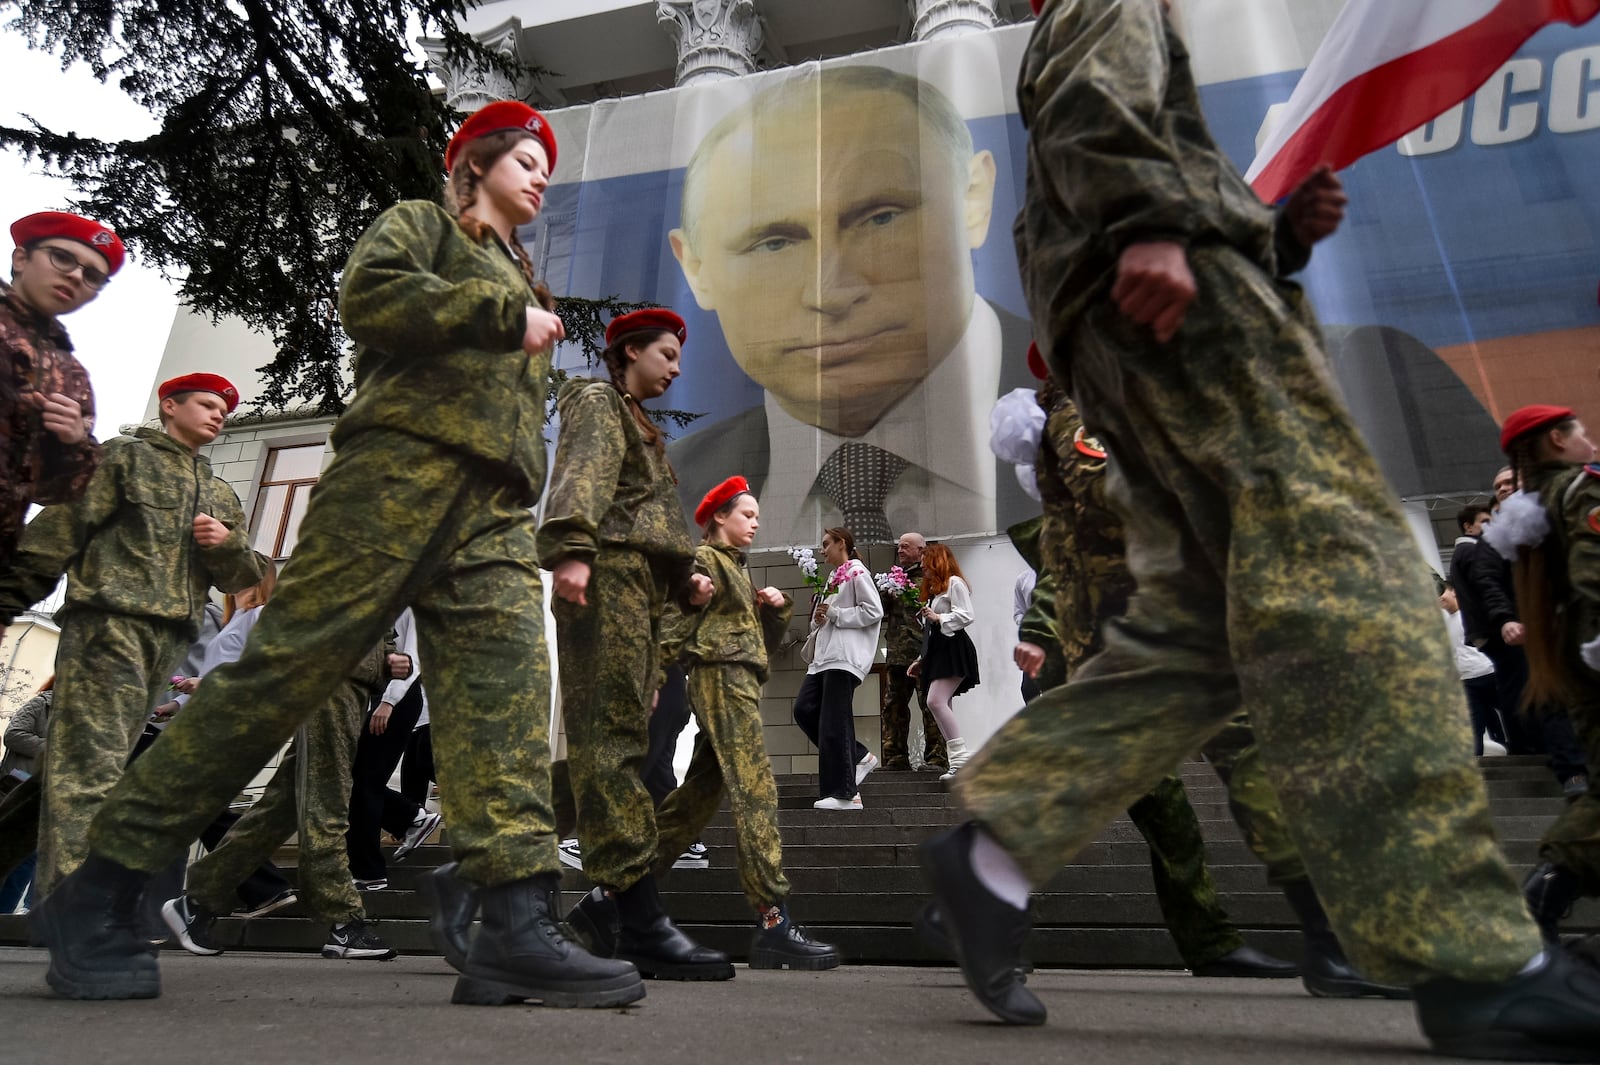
(394, 521)
(1573, 841)
(609, 657)
(1239, 475)
(309, 794)
(110, 669)
(730, 755)
(1184, 888)
(895, 721)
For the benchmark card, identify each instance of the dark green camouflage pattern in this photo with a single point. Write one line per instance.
(902, 631)
(127, 546)
(308, 796)
(609, 653)
(730, 756)
(902, 638)
(1571, 497)
(109, 668)
(396, 520)
(1185, 890)
(733, 628)
(438, 320)
(1238, 475)
(609, 488)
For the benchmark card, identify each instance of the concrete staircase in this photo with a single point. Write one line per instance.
(856, 882)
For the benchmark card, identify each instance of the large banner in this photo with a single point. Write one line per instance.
(837, 236)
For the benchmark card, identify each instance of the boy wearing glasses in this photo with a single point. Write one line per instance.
(61, 262)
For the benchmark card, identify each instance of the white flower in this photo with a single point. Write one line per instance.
(806, 559)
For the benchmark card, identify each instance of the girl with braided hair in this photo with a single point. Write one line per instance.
(615, 539)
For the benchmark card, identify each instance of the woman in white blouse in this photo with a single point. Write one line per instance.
(949, 663)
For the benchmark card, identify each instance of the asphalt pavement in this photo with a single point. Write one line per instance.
(267, 1009)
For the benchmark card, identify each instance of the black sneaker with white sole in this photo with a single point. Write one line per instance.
(193, 924)
(354, 939)
(571, 853)
(286, 897)
(419, 831)
(694, 856)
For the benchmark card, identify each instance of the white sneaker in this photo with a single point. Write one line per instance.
(570, 853)
(419, 831)
(831, 803)
(865, 766)
(1492, 749)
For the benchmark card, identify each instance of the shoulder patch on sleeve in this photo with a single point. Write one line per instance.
(1592, 469)
(1087, 445)
(1593, 520)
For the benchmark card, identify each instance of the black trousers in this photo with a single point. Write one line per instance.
(1547, 732)
(667, 722)
(1483, 703)
(375, 806)
(824, 710)
(416, 771)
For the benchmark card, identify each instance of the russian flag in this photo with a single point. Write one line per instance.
(1386, 68)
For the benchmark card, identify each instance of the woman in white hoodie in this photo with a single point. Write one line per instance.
(844, 640)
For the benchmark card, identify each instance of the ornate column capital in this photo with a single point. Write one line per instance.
(932, 19)
(467, 89)
(715, 38)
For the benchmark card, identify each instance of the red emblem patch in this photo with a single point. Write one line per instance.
(100, 239)
(1087, 445)
(1594, 520)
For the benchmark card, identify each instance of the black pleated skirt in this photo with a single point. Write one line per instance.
(949, 656)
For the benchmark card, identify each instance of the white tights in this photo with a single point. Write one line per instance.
(940, 692)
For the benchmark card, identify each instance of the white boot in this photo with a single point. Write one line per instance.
(955, 749)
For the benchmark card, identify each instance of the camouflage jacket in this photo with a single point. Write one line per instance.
(38, 468)
(1118, 153)
(128, 547)
(610, 489)
(1083, 567)
(438, 321)
(902, 629)
(733, 627)
(1571, 498)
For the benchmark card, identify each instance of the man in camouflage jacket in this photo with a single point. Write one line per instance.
(902, 639)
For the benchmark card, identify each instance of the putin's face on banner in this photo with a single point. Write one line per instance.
(831, 233)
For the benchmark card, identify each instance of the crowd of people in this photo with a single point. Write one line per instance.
(1199, 478)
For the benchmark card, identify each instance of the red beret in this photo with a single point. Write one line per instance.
(201, 382)
(719, 495)
(1036, 364)
(649, 318)
(47, 224)
(502, 116)
(1530, 420)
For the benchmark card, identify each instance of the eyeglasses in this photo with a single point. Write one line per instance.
(67, 263)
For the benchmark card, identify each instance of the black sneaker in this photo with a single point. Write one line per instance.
(694, 856)
(286, 897)
(1549, 1014)
(419, 831)
(354, 939)
(193, 924)
(377, 883)
(571, 853)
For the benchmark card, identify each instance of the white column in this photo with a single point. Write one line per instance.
(932, 19)
(716, 38)
(468, 88)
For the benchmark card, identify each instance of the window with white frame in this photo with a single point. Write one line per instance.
(282, 497)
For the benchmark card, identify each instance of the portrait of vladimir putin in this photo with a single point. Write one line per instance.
(829, 222)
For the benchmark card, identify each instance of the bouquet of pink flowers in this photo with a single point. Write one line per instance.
(895, 584)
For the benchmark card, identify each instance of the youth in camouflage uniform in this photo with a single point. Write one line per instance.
(614, 537)
(137, 580)
(438, 459)
(308, 797)
(1553, 460)
(46, 404)
(1238, 474)
(902, 640)
(1084, 581)
(725, 648)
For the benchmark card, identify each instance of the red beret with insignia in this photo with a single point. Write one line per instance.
(1530, 420)
(502, 116)
(1036, 364)
(733, 486)
(201, 382)
(97, 235)
(649, 318)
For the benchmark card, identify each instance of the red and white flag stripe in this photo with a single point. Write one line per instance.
(1386, 68)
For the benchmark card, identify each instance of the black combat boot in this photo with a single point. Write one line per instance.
(90, 922)
(1548, 1013)
(985, 931)
(1324, 969)
(596, 922)
(452, 904)
(1551, 890)
(520, 955)
(779, 943)
(650, 940)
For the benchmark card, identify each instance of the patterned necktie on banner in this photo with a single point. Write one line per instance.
(857, 477)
